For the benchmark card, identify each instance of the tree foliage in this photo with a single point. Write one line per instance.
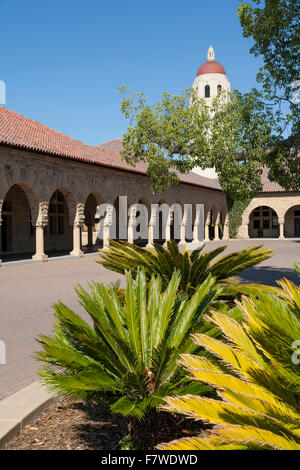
(274, 27)
(180, 132)
(239, 138)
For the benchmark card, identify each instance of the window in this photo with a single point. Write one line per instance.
(297, 213)
(57, 214)
(256, 224)
(275, 222)
(207, 91)
(219, 88)
(266, 223)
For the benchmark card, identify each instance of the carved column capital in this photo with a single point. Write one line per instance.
(108, 219)
(184, 219)
(42, 218)
(79, 216)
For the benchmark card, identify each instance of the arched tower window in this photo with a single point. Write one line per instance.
(219, 88)
(207, 91)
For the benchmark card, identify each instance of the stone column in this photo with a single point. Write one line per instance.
(182, 229)
(198, 228)
(107, 226)
(78, 222)
(41, 223)
(226, 235)
(1, 204)
(281, 229)
(206, 227)
(217, 227)
(170, 222)
(151, 227)
(131, 224)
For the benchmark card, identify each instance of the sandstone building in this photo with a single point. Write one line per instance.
(52, 184)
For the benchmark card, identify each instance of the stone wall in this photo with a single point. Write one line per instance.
(38, 176)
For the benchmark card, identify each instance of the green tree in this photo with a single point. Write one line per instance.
(239, 138)
(179, 133)
(274, 27)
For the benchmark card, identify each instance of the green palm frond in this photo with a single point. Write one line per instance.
(194, 267)
(254, 374)
(297, 267)
(129, 357)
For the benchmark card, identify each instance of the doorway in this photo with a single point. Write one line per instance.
(297, 227)
(6, 238)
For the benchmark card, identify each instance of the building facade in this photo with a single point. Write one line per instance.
(51, 187)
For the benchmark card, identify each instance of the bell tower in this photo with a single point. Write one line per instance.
(211, 79)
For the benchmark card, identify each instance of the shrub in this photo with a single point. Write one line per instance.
(194, 267)
(129, 357)
(255, 373)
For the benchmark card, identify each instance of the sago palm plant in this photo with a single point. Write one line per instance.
(297, 268)
(128, 358)
(256, 374)
(194, 266)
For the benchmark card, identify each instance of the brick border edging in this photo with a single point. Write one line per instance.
(20, 408)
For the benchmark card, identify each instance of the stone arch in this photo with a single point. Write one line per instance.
(263, 223)
(19, 213)
(61, 216)
(70, 200)
(257, 203)
(31, 196)
(89, 231)
(212, 218)
(292, 222)
(224, 221)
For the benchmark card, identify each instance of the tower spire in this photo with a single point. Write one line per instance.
(210, 54)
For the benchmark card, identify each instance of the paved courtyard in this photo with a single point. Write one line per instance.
(27, 292)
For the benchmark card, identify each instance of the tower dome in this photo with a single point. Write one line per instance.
(211, 65)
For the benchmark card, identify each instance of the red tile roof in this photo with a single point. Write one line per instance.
(269, 186)
(21, 132)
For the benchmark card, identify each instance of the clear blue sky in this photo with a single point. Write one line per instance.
(63, 60)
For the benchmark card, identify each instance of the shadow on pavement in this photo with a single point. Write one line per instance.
(268, 275)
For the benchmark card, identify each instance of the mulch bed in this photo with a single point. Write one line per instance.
(65, 425)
